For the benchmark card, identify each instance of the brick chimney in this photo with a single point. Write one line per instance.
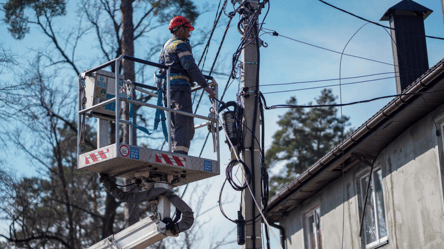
(408, 41)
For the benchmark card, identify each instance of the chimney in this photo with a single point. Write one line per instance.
(408, 41)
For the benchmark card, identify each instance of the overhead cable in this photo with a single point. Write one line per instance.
(216, 21)
(351, 103)
(206, 49)
(274, 33)
(325, 86)
(375, 23)
(316, 81)
(249, 188)
(342, 133)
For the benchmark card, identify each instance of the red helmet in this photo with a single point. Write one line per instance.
(179, 21)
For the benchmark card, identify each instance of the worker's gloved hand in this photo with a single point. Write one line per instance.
(192, 82)
(210, 92)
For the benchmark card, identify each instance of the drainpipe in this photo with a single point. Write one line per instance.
(281, 233)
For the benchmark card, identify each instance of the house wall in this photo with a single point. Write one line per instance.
(413, 188)
(413, 196)
(330, 200)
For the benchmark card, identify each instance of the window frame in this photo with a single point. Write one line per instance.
(359, 177)
(312, 213)
(440, 153)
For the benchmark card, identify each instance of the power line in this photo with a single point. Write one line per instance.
(215, 60)
(375, 23)
(317, 81)
(342, 134)
(347, 104)
(207, 46)
(206, 49)
(274, 33)
(317, 87)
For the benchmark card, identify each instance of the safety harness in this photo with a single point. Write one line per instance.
(176, 74)
(159, 117)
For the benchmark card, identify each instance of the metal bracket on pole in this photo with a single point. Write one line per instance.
(363, 159)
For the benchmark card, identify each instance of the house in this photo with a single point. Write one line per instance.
(382, 187)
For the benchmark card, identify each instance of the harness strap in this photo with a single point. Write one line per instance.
(141, 128)
(162, 60)
(160, 116)
(158, 73)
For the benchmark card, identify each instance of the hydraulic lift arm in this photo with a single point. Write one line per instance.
(151, 229)
(138, 236)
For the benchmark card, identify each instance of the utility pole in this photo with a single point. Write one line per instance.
(251, 156)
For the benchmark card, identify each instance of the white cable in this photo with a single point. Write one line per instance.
(248, 185)
(265, 220)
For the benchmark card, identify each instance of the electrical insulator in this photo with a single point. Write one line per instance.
(240, 228)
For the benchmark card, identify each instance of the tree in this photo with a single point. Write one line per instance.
(7, 61)
(305, 135)
(61, 209)
(64, 208)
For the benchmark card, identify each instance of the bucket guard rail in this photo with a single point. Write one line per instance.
(100, 92)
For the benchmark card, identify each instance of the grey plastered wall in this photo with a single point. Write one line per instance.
(413, 196)
(330, 200)
(413, 187)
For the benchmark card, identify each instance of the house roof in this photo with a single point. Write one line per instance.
(407, 6)
(367, 140)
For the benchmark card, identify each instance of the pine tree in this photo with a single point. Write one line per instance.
(305, 135)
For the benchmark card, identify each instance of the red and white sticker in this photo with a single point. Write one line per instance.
(124, 151)
(172, 160)
(97, 156)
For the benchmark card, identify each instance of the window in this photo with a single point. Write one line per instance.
(375, 228)
(313, 229)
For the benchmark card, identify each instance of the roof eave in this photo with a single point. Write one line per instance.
(354, 139)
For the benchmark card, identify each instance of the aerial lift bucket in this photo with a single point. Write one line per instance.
(100, 96)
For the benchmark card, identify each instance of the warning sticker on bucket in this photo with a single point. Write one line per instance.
(208, 166)
(124, 151)
(134, 153)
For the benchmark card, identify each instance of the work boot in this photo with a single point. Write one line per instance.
(181, 152)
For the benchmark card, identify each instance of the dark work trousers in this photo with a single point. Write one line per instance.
(182, 127)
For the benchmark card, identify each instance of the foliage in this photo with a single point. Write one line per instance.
(62, 207)
(305, 135)
(18, 21)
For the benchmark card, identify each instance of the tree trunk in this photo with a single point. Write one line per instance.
(126, 10)
(110, 214)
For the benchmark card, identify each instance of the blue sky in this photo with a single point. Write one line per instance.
(285, 61)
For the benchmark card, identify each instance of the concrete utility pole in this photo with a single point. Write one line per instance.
(249, 79)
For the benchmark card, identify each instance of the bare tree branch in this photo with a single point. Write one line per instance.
(52, 36)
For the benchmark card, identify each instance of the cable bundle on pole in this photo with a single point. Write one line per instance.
(229, 175)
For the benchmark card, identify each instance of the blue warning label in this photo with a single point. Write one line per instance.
(110, 106)
(134, 153)
(208, 166)
(101, 82)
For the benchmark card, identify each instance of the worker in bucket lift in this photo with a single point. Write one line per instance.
(177, 54)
